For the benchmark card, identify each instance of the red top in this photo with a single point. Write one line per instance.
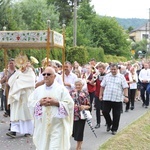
(91, 88)
(127, 77)
(98, 84)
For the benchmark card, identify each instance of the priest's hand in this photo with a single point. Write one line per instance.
(48, 101)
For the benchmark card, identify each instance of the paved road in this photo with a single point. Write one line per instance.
(89, 143)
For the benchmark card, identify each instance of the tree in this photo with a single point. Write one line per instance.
(84, 31)
(63, 7)
(4, 5)
(130, 29)
(110, 36)
(86, 11)
(140, 46)
(37, 13)
(78, 54)
(84, 36)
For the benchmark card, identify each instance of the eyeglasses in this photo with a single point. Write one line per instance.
(47, 74)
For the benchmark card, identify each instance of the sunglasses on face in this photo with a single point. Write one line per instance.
(47, 74)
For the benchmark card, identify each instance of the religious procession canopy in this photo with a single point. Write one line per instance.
(30, 39)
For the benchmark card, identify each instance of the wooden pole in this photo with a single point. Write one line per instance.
(6, 67)
(75, 24)
(48, 42)
(5, 59)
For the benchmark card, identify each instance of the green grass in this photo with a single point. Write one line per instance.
(135, 137)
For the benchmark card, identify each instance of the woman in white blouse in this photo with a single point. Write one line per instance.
(133, 86)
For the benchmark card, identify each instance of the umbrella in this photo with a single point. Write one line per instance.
(89, 123)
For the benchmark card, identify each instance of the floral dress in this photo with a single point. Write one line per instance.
(80, 98)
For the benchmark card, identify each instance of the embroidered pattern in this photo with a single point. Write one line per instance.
(38, 111)
(62, 113)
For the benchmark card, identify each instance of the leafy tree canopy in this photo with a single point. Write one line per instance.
(110, 36)
(37, 13)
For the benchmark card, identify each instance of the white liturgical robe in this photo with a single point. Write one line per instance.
(52, 132)
(21, 86)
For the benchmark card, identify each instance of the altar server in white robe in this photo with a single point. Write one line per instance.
(53, 108)
(22, 84)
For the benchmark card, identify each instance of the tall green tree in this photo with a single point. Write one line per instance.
(84, 36)
(37, 12)
(85, 14)
(86, 11)
(4, 6)
(64, 8)
(109, 35)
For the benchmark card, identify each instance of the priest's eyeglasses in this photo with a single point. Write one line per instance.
(47, 74)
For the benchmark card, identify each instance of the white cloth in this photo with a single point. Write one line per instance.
(144, 75)
(133, 77)
(21, 86)
(40, 78)
(52, 132)
(22, 127)
(58, 78)
(84, 85)
(71, 80)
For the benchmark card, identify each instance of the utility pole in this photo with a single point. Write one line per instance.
(148, 37)
(75, 24)
(149, 30)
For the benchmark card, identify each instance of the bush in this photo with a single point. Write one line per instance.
(114, 58)
(97, 53)
(78, 53)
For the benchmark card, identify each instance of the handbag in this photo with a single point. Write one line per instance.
(85, 114)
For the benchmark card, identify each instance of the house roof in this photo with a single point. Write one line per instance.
(145, 27)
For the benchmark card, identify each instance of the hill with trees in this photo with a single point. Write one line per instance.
(131, 22)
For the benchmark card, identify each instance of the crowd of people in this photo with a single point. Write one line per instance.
(46, 103)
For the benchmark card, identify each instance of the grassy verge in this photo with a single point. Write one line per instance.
(135, 137)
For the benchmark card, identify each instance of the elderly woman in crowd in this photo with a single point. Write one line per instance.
(132, 86)
(82, 102)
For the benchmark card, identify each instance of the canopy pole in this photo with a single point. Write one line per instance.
(48, 42)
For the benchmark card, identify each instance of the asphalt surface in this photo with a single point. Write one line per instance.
(90, 142)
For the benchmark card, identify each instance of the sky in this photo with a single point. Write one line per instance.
(122, 8)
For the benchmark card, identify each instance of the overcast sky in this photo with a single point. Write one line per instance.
(122, 8)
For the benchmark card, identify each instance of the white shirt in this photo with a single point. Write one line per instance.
(131, 78)
(144, 75)
(71, 80)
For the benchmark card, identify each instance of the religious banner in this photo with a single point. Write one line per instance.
(58, 39)
(29, 39)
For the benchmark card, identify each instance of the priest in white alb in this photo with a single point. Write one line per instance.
(22, 84)
(52, 108)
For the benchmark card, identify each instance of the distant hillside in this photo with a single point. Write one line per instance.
(131, 22)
